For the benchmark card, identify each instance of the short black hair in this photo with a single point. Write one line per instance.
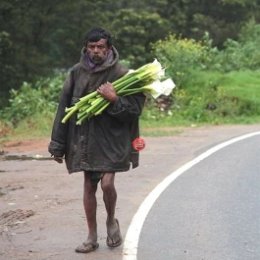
(97, 34)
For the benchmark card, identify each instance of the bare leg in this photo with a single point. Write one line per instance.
(110, 197)
(90, 206)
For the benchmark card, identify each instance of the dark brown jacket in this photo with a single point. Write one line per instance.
(102, 143)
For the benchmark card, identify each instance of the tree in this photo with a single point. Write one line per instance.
(6, 69)
(37, 37)
(134, 33)
(25, 24)
(222, 18)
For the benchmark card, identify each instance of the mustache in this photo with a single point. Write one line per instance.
(96, 57)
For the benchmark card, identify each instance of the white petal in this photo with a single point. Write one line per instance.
(167, 86)
(156, 88)
(159, 68)
(159, 88)
(157, 63)
(130, 71)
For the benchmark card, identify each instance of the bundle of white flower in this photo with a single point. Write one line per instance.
(146, 79)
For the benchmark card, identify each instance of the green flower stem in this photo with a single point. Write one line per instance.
(68, 115)
(89, 96)
(98, 112)
(79, 121)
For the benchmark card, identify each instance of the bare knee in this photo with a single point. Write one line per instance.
(107, 187)
(89, 187)
(107, 182)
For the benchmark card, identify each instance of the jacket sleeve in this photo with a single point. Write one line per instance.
(127, 108)
(57, 145)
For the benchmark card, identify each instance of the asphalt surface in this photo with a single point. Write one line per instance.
(49, 222)
(210, 212)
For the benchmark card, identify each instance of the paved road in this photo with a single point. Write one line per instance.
(58, 225)
(210, 212)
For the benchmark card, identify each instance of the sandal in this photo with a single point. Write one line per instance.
(114, 239)
(87, 247)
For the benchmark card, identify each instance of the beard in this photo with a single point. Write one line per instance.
(97, 59)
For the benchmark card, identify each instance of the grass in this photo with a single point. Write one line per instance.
(244, 85)
(214, 97)
(35, 127)
(160, 131)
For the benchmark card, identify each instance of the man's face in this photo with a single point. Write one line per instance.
(97, 51)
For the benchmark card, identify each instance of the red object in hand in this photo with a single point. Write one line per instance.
(138, 144)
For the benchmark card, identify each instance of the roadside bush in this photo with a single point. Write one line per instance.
(30, 99)
(213, 85)
(241, 54)
(214, 97)
(180, 56)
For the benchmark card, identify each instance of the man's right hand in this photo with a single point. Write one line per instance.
(108, 92)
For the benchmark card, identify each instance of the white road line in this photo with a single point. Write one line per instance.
(132, 236)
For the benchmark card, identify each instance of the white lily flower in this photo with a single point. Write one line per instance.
(167, 86)
(159, 88)
(130, 71)
(159, 68)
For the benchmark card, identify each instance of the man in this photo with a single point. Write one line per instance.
(102, 145)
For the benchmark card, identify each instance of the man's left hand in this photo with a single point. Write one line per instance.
(58, 159)
(108, 92)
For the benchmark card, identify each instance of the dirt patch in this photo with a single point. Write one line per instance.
(13, 218)
(8, 188)
(26, 145)
(2, 192)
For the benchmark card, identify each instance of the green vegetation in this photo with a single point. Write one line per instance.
(208, 98)
(212, 55)
(215, 98)
(32, 99)
(38, 37)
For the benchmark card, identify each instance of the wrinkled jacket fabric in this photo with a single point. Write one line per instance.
(104, 142)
